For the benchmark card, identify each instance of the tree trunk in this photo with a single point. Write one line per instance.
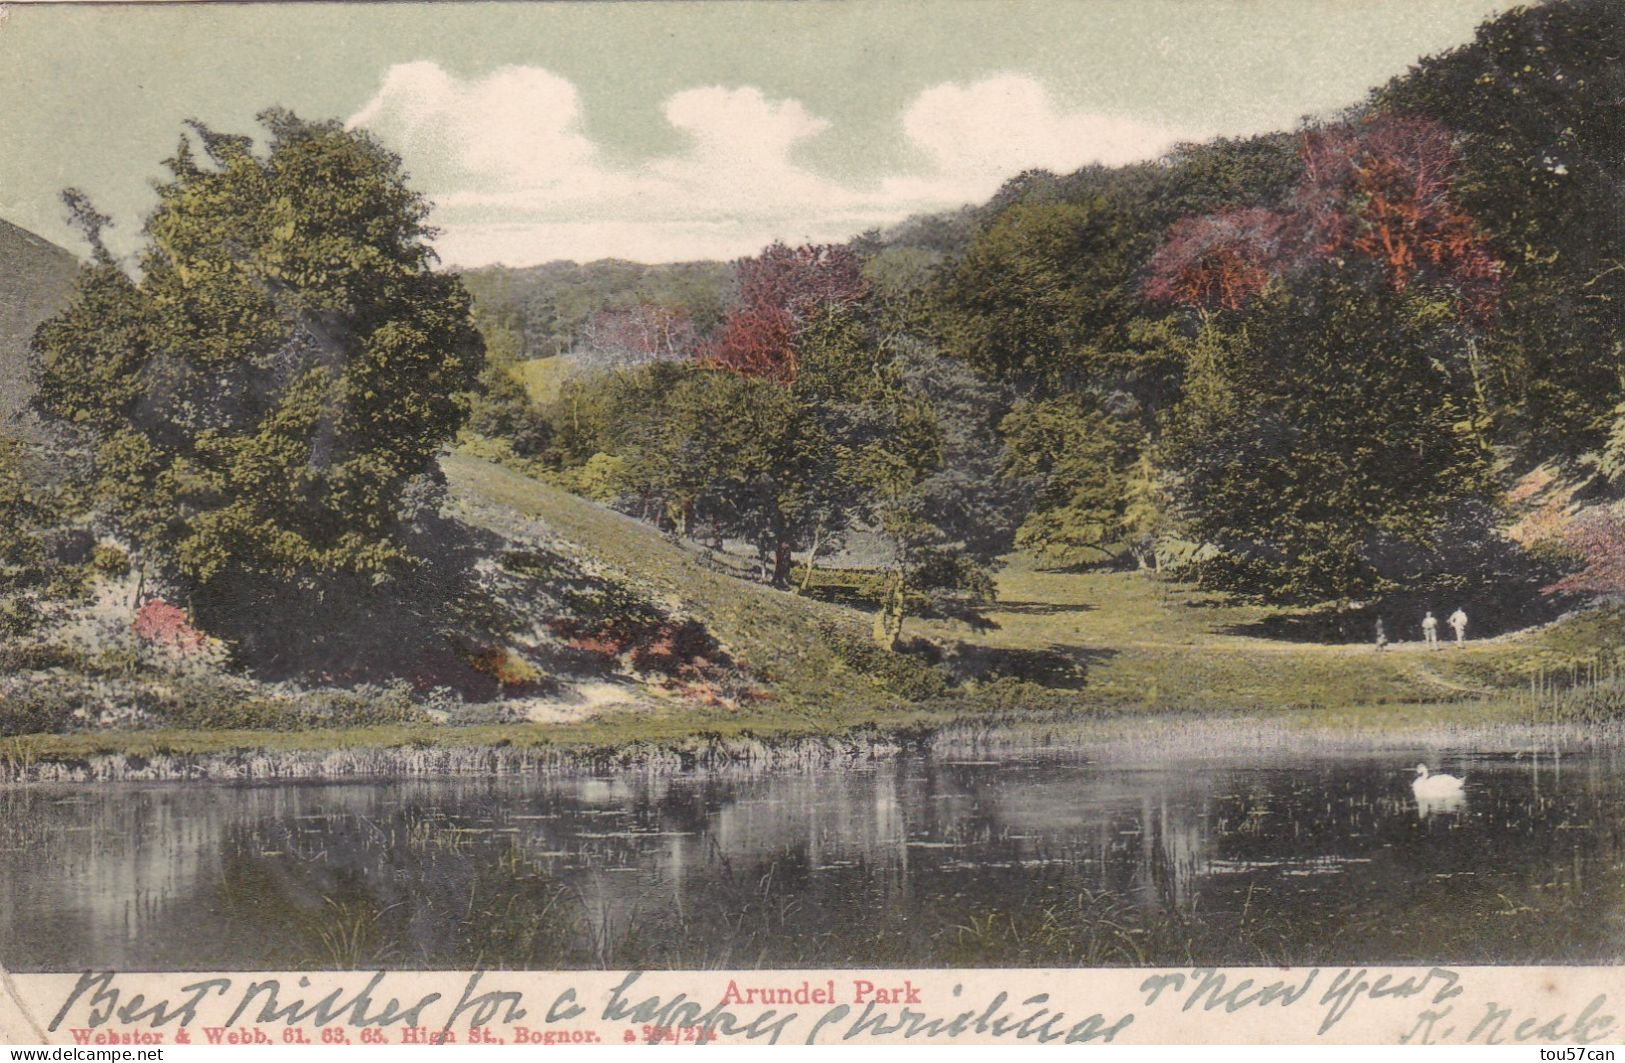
(812, 561)
(889, 618)
(781, 563)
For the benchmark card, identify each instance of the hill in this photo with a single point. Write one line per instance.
(36, 279)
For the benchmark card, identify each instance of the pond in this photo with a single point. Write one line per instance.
(959, 857)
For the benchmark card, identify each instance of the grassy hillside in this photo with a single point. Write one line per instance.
(1155, 645)
(36, 279)
(782, 637)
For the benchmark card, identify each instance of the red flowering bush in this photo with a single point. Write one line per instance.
(159, 623)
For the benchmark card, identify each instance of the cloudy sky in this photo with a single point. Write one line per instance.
(665, 131)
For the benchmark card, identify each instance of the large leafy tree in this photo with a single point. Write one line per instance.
(1325, 447)
(1330, 439)
(1081, 454)
(775, 461)
(283, 363)
(1537, 101)
(782, 292)
(1047, 300)
(935, 492)
(1041, 298)
(698, 449)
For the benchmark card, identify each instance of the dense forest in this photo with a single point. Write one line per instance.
(1306, 367)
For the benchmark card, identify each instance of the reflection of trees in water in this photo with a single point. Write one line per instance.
(906, 863)
(409, 890)
(937, 863)
(119, 868)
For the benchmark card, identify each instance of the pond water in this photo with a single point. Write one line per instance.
(1049, 857)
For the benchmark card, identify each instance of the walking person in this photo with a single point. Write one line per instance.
(1430, 630)
(1382, 636)
(1458, 623)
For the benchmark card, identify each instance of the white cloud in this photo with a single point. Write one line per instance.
(1002, 125)
(517, 179)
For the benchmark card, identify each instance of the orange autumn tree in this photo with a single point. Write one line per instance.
(1382, 190)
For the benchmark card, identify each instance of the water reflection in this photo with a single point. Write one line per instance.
(1448, 803)
(1043, 858)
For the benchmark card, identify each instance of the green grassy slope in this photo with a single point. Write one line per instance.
(1142, 644)
(1159, 645)
(779, 634)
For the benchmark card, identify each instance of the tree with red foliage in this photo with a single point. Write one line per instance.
(780, 292)
(1217, 261)
(1377, 191)
(1382, 190)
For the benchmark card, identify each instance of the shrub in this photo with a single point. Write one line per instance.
(676, 649)
(506, 667)
(38, 709)
(896, 673)
(161, 624)
(37, 657)
(213, 706)
(210, 703)
(484, 714)
(363, 706)
(600, 479)
(110, 561)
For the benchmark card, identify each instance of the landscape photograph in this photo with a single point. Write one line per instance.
(602, 486)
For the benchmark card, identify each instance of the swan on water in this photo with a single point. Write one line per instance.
(1434, 786)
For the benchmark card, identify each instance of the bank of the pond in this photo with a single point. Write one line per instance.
(363, 753)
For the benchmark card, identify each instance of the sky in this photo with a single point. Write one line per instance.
(669, 131)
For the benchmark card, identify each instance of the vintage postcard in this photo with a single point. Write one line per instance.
(1047, 522)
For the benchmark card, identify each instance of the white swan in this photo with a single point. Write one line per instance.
(1434, 787)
